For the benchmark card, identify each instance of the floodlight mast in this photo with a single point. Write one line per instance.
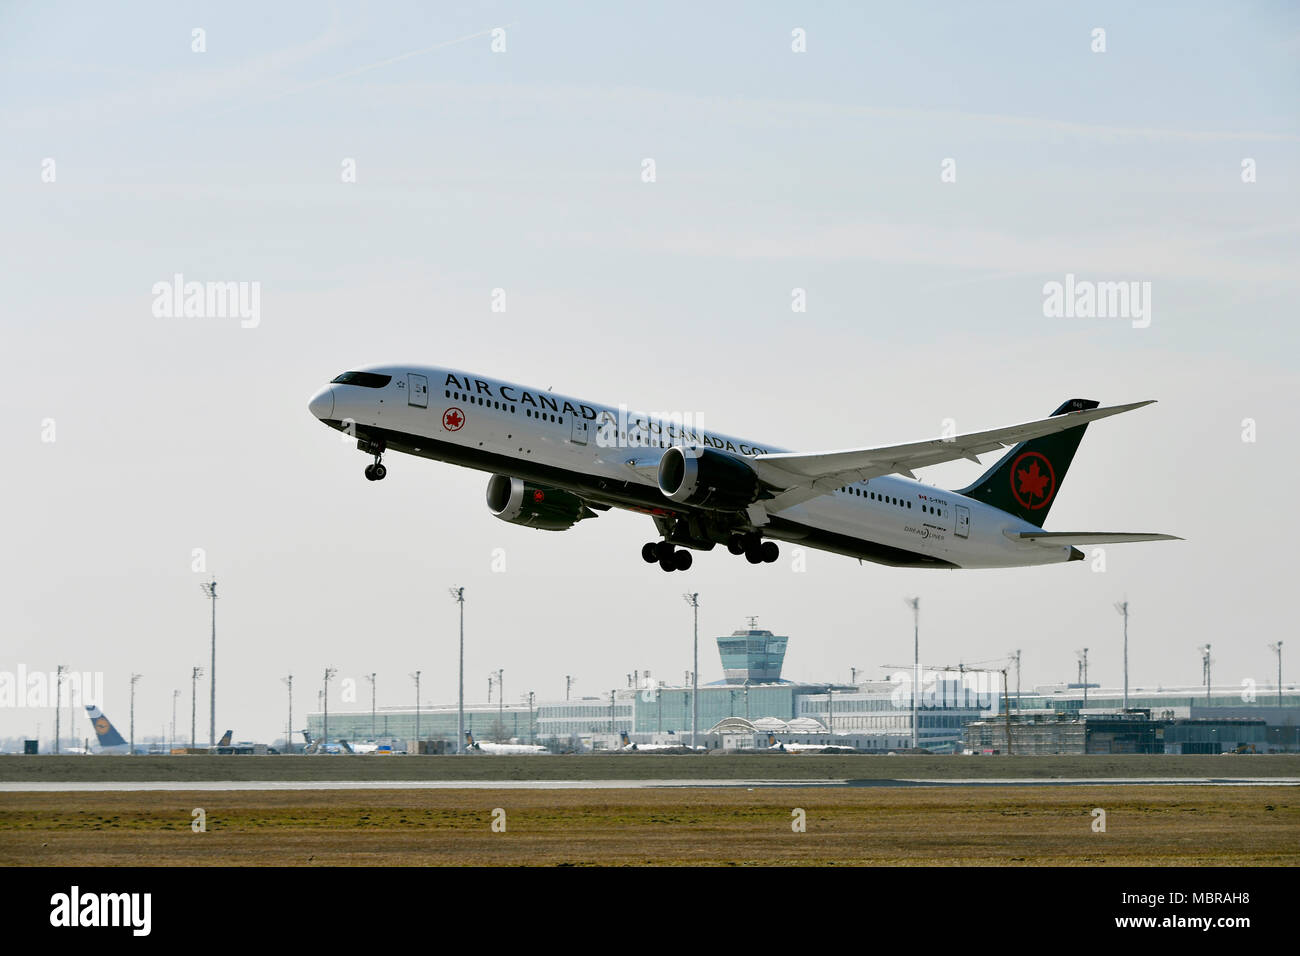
(458, 595)
(1206, 661)
(195, 674)
(58, 702)
(915, 604)
(694, 601)
(1277, 649)
(288, 735)
(415, 676)
(134, 678)
(210, 589)
(325, 697)
(1122, 608)
(371, 677)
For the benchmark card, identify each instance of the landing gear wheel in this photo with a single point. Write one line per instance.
(668, 564)
(664, 551)
(754, 554)
(736, 545)
(649, 552)
(770, 552)
(370, 472)
(683, 560)
(379, 471)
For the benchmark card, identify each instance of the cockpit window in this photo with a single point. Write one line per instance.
(364, 379)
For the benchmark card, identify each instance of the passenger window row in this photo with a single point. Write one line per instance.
(872, 496)
(503, 406)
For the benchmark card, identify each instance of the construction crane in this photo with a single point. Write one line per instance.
(972, 668)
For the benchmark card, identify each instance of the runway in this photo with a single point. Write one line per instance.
(108, 786)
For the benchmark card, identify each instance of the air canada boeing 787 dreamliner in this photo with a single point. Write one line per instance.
(555, 461)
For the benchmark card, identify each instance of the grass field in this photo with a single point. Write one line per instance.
(1157, 825)
(632, 766)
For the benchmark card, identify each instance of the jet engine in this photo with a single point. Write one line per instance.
(708, 479)
(534, 506)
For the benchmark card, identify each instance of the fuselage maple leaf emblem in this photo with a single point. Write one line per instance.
(453, 420)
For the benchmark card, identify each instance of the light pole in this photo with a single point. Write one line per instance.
(58, 702)
(501, 700)
(458, 595)
(1083, 674)
(915, 604)
(1122, 608)
(325, 702)
(288, 734)
(195, 674)
(134, 678)
(694, 601)
(371, 677)
(1277, 649)
(1205, 669)
(532, 736)
(416, 677)
(210, 589)
(175, 694)
(1015, 656)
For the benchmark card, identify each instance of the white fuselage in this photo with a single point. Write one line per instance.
(514, 430)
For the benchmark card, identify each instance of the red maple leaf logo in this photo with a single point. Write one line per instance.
(453, 420)
(539, 496)
(1032, 482)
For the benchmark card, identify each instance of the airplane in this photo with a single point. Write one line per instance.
(384, 748)
(110, 741)
(318, 746)
(796, 748)
(629, 745)
(501, 749)
(555, 461)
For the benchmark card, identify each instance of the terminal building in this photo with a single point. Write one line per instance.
(754, 706)
(1132, 732)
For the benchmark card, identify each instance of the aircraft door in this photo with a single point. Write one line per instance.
(963, 522)
(417, 390)
(580, 427)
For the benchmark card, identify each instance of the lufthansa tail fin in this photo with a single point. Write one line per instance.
(225, 739)
(105, 731)
(1025, 481)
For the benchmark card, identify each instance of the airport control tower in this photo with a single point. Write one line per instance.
(752, 656)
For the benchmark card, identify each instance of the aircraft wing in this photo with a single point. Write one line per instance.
(800, 477)
(1053, 539)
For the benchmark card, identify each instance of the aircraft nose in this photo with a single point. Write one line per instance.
(322, 403)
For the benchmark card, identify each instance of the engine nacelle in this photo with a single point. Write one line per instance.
(534, 506)
(707, 479)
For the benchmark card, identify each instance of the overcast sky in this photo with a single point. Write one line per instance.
(128, 157)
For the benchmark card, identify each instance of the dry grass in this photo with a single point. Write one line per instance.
(944, 826)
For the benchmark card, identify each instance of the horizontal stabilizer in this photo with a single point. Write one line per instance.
(1054, 539)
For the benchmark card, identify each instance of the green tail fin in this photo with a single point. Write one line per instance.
(1025, 482)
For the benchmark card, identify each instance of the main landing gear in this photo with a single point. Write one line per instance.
(377, 471)
(666, 555)
(754, 548)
